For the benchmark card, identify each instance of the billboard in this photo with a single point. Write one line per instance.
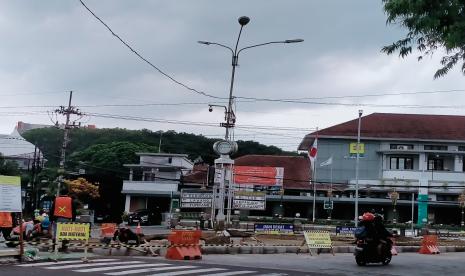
(245, 200)
(10, 194)
(264, 176)
(196, 199)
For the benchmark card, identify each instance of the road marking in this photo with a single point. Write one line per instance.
(66, 262)
(117, 267)
(232, 273)
(90, 265)
(188, 272)
(127, 272)
(273, 274)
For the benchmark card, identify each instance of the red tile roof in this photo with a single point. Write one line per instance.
(397, 126)
(296, 168)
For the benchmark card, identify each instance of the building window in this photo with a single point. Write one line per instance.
(401, 163)
(401, 147)
(461, 148)
(435, 147)
(435, 163)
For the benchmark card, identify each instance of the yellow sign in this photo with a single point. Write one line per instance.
(318, 239)
(353, 148)
(73, 231)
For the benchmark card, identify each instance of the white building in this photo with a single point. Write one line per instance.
(154, 180)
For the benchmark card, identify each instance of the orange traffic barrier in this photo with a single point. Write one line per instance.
(107, 230)
(184, 245)
(429, 245)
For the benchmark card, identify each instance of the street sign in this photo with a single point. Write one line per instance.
(73, 231)
(246, 200)
(274, 228)
(10, 194)
(196, 199)
(328, 205)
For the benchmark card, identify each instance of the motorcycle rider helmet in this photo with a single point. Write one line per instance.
(368, 216)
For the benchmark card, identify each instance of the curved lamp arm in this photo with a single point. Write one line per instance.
(217, 44)
(272, 42)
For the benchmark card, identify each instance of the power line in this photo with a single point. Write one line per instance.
(146, 60)
(366, 95)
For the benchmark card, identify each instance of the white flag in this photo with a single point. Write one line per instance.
(327, 162)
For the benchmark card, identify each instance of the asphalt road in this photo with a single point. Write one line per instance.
(246, 264)
(135, 266)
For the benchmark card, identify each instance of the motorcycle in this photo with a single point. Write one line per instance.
(367, 252)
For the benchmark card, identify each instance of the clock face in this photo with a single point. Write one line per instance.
(224, 147)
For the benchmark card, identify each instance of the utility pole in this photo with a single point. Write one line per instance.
(67, 111)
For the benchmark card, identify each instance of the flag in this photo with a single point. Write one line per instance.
(327, 162)
(313, 150)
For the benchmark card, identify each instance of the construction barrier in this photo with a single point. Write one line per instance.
(107, 230)
(429, 245)
(184, 245)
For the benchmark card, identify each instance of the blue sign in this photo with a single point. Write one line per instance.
(345, 230)
(274, 229)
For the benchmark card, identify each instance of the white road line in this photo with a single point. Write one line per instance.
(118, 267)
(273, 274)
(128, 272)
(188, 272)
(232, 273)
(66, 262)
(91, 264)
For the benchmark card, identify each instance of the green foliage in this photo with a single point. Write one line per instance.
(108, 159)
(431, 24)
(8, 167)
(49, 141)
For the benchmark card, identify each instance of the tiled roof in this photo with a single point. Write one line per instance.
(296, 169)
(397, 126)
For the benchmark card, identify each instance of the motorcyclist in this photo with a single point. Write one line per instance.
(382, 234)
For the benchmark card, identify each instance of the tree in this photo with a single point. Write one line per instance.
(8, 167)
(432, 25)
(82, 189)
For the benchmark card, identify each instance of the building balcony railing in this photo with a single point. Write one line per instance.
(434, 176)
(149, 187)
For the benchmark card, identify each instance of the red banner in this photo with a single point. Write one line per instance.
(265, 176)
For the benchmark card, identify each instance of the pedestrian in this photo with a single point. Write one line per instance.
(6, 224)
(63, 210)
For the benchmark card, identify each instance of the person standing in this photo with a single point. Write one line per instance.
(6, 224)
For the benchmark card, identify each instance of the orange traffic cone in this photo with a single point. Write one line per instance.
(138, 231)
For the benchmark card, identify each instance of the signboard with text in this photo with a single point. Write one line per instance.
(264, 176)
(196, 199)
(353, 149)
(274, 228)
(345, 230)
(10, 194)
(72, 231)
(245, 200)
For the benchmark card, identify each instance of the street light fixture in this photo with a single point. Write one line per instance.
(224, 163)
(360, 112)
(243, 20)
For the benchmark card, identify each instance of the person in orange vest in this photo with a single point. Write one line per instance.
(6, 224)
(63, 209)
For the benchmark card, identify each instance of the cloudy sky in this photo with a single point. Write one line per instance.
(51, 47)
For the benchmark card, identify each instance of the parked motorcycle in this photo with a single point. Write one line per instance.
(366, 252)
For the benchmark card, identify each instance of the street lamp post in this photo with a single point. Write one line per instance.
(360, 112)
(224, 161)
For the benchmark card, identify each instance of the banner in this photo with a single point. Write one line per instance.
(72, 231)
(245, 200)
(345, 230)
(196, 199)
(265, 176)
(317, 239)
(10, 194)
(274, 229)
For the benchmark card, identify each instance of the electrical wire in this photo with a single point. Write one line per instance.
(144, 59)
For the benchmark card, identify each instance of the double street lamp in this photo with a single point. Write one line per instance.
(225, 148)
(230, 116)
